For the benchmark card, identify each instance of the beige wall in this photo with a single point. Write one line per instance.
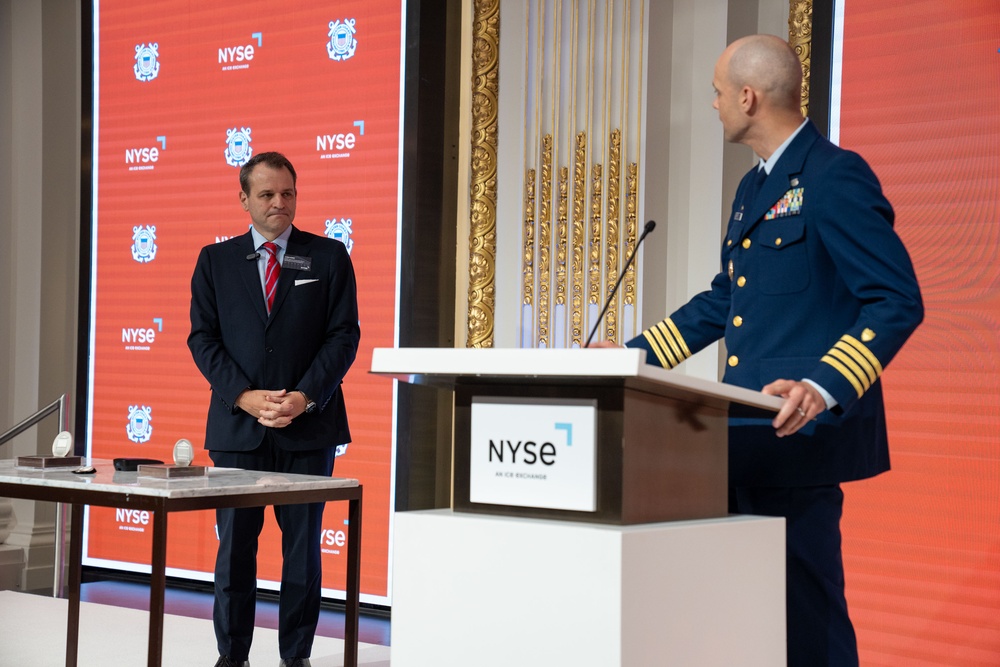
(39, 252)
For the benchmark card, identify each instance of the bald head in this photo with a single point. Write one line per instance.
(768, 65)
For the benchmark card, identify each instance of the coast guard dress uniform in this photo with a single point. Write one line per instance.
(815, 284)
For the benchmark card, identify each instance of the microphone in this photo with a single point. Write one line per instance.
(252, 256)
(650, 226)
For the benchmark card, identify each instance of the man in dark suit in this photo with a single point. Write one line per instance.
(274, 329)
(815, 297)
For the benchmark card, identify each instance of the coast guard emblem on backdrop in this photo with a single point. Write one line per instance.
(144, 243)
(342, 43)
(340, 231)
(139, 429)
(238, 149)
(146, 66)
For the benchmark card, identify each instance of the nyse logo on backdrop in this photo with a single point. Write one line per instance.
(141, 339)
(139, 428)
(145, 158)
(132, 520)
(332, 541)
(238, 57)
(146, 67)
(238, 149)
(144, 243)
(340, 230)
(340, 144)
(342, 43)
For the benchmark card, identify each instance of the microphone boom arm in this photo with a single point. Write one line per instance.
(621, 276)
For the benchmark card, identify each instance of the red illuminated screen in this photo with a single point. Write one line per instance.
(185, 93)
(921, 102)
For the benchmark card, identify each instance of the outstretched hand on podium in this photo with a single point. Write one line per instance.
(802, 403)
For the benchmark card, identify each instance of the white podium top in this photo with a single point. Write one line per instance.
(444, 367)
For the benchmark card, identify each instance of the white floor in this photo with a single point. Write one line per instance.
(33, 633)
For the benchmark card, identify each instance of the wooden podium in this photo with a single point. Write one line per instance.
(661, 436)
(627, 582)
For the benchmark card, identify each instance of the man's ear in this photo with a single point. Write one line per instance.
(748, 100)
(243, 201)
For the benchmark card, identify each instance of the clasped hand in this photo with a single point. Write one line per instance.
(275, 409)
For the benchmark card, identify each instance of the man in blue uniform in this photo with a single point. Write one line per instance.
(815, 297)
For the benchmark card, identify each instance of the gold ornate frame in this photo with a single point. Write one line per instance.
(483, 204)
(483, 166)
(800, 19)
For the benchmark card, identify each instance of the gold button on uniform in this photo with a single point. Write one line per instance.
(734, 360)
(737, 321)
(729, 243)
(741, 281)
(777, 241)
(746, 243)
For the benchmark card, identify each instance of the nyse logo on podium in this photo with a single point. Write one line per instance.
(534, 453)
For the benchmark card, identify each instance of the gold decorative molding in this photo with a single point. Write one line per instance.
(544, 241)
(596, 232)
(614, 193)
(579, 238)
(528, 241)
(800, 18)
(562, 236)
(631, 230)
(483, 165)
(580, 207)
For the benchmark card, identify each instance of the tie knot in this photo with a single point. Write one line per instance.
(271, 248)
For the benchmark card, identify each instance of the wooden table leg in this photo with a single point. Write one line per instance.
(351, 608)
(75, 559)
(157, 584)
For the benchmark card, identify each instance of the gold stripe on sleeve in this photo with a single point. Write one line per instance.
(865, 369)
(647, 334)
(846, 373)
(678, 337)
(665, 346)
(666, 336)
(863, 349)
(862, 374)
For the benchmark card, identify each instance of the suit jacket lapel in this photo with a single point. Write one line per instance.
(788, 166)
(250, 274)
(298, 244)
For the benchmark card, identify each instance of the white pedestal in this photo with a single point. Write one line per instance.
(489, 590)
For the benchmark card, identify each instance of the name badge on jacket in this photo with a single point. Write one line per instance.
(297, 263)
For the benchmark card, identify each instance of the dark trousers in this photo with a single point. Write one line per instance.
(236, 562)
(819, 630)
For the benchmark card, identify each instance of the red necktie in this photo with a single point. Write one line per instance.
(271, 272)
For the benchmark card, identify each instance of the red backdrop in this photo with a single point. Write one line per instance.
(921, 101)
(174, 79)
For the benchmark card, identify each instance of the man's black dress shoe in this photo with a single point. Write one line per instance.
(295, 662)
(226, 661)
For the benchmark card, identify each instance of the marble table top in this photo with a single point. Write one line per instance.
(216, 481)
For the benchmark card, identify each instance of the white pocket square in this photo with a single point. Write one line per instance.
(305, 281)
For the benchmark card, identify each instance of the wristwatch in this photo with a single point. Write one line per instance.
(310, 404)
